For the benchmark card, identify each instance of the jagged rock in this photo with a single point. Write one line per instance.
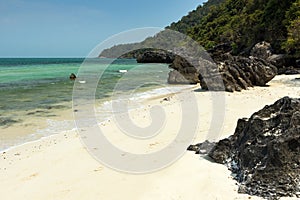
(262, 50)
(184, 71)
(155, 56)
(187, 67)
(238, 73)
(176, 77)
(222, 71)
(298, 63)
(264, 152)
(202, 148)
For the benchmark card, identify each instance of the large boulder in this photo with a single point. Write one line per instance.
(264, 152)
(176, 77)
(185, 70)
(262, 50)
(222, 71)
(238, 73)
(189, 64)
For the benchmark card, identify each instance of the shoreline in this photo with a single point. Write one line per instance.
(32, 130)
(75, 174)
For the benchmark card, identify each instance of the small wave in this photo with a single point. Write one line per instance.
(123, 102)
(55, 126)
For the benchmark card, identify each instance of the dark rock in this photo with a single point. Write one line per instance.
(187, 66)
(285, 64)
(298, 63)
(72, 76)
(239, 73)
(202, 148)
(176, 77)
(264, 152)
(155, 56)
(219, 70)
(166, 99)
(184, 72)
(262, 50)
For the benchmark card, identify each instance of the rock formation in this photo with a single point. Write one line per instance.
(264, 152)
(236, 72)
(262, 50)
(184, 71)
(155, 56)
(285, 64)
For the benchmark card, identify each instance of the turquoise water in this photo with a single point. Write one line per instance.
(43, 83)
(34, 91)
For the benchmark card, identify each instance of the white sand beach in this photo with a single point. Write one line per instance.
(60, 167)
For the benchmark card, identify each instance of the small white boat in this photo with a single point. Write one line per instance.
(122, 70)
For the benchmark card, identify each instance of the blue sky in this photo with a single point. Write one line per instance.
(72, 28)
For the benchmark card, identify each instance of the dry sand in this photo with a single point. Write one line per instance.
(59, 166)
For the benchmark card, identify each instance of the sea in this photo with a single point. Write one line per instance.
(35, 91)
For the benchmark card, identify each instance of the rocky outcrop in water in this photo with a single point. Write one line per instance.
(264, 152)
(72, 76)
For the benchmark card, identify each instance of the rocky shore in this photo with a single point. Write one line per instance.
(237, 72)
(264, 151)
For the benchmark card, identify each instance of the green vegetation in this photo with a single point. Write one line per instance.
(243, 23)
(193, 18)
(292, 44)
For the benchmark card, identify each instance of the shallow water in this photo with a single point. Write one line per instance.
(35, 92)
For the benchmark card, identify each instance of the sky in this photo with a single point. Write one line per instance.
(72, 28)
